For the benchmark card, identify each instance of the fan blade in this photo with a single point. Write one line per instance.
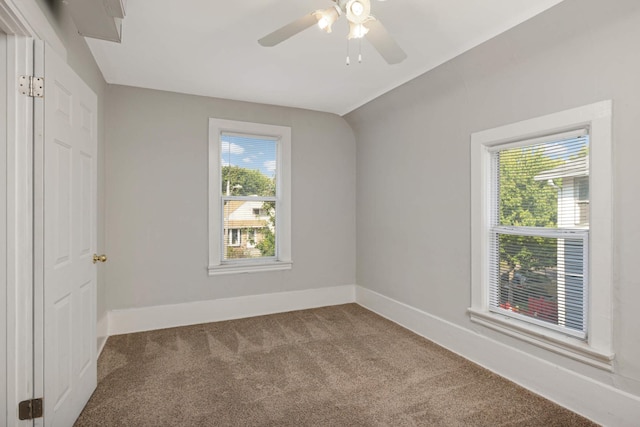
(384, 44)
(289, 30)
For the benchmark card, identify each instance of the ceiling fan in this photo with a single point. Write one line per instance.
(361, 24)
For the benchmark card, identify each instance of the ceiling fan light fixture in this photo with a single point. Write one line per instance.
(358, 11)
(357, 8)
(357, 31)
(361, 24)
(327, 17)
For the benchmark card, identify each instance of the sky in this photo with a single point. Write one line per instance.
(567, 148)
(249, 152)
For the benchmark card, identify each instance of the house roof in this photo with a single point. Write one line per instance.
(232, 205)
(570, 169)
(246, 220)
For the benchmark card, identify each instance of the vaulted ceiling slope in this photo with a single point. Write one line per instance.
(210, 48)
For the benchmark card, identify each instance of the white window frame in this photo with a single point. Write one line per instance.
(597, 349)
(282, 259)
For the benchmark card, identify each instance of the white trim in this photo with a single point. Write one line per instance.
(3, 231)
(509, 143)
(102, 332)
(282, 134)
(595, 400)
(169, 316)
(25, 18)
(597, 118)
(19, 309)
(558, 342)
(23, 21)
(545, 125)
(249, 267)
(38, 228)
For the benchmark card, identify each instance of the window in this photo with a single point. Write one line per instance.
(540, 271)
(537, 258)
(234, 237)
(249, 197)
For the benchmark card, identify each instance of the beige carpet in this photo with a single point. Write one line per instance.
(334, 366)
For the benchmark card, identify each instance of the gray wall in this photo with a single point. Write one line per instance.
(157, 166)
(79, 58)
(413, 161)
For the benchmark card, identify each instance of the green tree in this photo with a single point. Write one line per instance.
(246, 182)
(527, 202)
(267, 245)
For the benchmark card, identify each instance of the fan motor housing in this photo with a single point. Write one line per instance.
(348, 8)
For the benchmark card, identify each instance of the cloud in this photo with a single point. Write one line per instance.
(247, 160)
(270, 165)
(224, 163)
(231, 148)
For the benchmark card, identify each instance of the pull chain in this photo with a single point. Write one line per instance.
(359, 52)
(348, 58)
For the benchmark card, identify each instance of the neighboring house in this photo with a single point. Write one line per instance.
(244, 224)
(572, 181)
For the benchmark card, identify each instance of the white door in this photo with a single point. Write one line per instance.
(70, 203)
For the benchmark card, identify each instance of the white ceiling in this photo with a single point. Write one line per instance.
(210, 48)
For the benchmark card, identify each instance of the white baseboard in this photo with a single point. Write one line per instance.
(169, 316)
(102, 332)
(597, 401)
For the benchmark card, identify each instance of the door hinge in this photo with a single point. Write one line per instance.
(31, 86)
(30, 409)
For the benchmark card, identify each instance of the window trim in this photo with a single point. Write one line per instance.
(597, 350)
(282, 260)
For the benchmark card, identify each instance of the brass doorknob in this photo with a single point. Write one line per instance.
(101, 258)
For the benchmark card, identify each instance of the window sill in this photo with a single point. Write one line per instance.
(544, 338)
(239, 268)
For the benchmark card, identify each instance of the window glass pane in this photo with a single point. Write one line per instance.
(248, 165)
(249, 229)
(544, 185)
(541, 278)
(535, 278)
(582, 188)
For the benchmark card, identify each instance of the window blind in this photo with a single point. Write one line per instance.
(539, 231)
(248, 196)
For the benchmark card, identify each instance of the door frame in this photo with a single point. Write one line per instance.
(3, 229)
(23, 21)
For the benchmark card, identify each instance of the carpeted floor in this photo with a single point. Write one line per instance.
(334, 366)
